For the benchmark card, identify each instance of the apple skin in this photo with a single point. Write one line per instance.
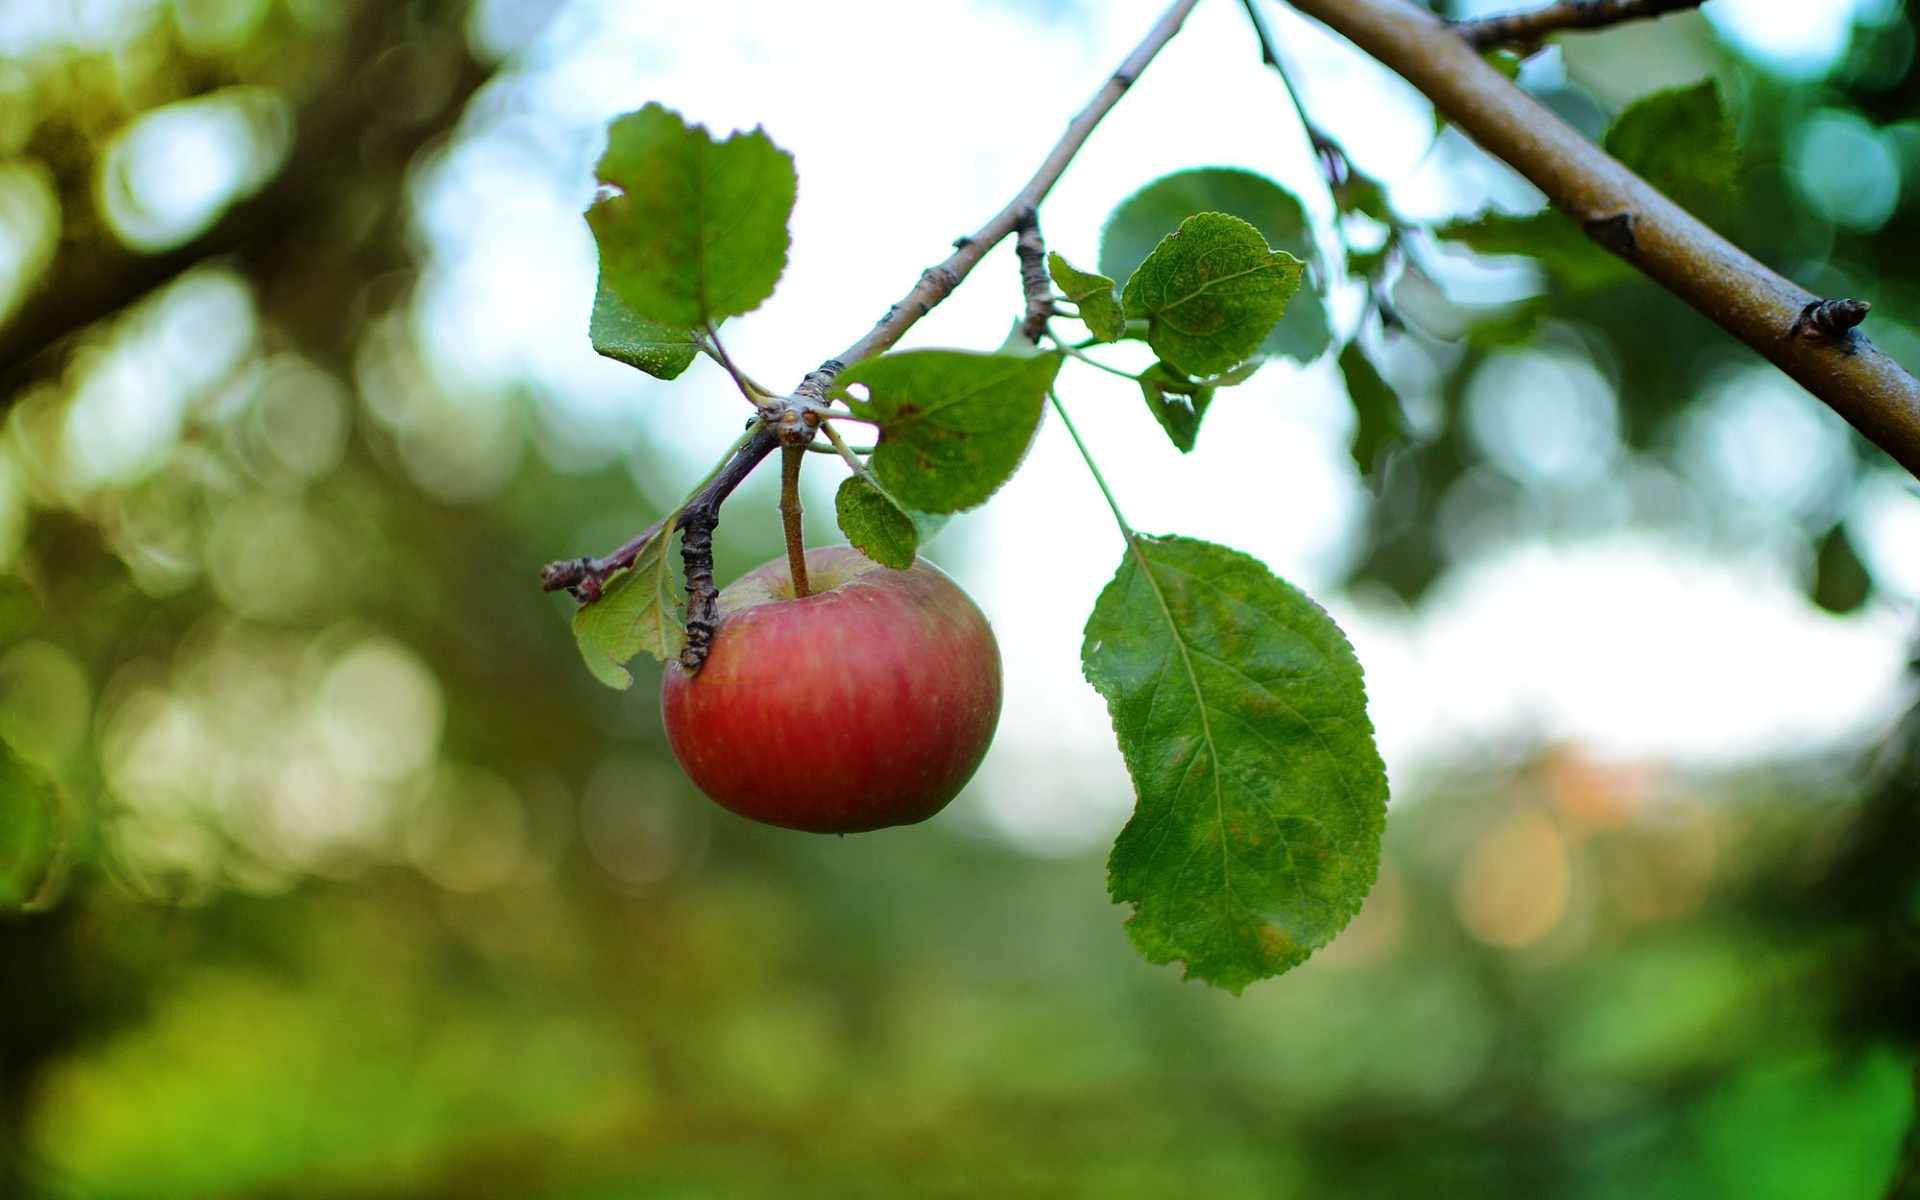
(866, 704)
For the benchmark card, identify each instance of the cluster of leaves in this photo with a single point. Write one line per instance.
(1238, 703)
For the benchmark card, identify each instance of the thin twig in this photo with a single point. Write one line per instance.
(1529, 26)
(1630, 217)
(717, 351)
(1335, 166)
(702, 512)
(936, 283)
(1035, 283)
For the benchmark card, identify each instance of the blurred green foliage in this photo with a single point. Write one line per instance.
(309, 890)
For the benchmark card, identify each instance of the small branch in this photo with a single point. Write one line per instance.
(1630, 217)
(792, 420)
(717, 351)
(585, 578)
(1528, 27)
(1335, 166)
(936, 283)
(790, 513)
(1034, 280)
(696, 544)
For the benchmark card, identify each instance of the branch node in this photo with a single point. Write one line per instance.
(1829, 320)
(1614, 232)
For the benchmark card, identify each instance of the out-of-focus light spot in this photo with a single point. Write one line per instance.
(176, 169)
(271, 560)
(1799, 41)
(134, 396)
(300, 418)
(1885, 527)
(29, 229)
(469, 832)
(45, 701)
(1544, 417)
(1591, 794)
(154, 752)
(307, 815)
(1765, 442)
(1513, 888)
(380, 711)
(460, 448)
(1848, 170)
(1663, 867)
(217, 26)
(638, 823)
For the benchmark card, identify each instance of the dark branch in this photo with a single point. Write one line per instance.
(1528, 27)
(1034, 280)
(1334, 163)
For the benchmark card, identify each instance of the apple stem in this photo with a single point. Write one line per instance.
(790, 459)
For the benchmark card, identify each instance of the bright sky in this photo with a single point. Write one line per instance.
(911, 125)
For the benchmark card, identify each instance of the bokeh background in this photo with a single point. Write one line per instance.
(327, 871)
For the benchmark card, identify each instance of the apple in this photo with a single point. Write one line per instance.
(866, 704)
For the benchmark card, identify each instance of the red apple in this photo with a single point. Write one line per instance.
(866, 704)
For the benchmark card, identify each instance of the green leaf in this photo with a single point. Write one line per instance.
(1575, 261)
(699, 229)
(1143, 219)
(1378, 419)
(1178, 402)
(1241, 712)
(638, 612)
(1211, 293)
(619, 333)
(29, 829)
(953, 425)
(1681, 142)
(879, 526)
(1099, 304)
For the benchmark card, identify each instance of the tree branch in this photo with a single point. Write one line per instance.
(1528, 27)
(780, 423)
(1632, 219)
(937, 283)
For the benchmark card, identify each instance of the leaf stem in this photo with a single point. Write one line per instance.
(1076, 352)
(790, 459)
(1087, 457)
(841, 448)
(715, 350)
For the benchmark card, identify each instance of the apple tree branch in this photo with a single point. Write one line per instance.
(1628, 216)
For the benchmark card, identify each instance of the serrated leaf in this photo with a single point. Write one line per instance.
(639, 612)
(699, 229)
(624, 336)
(1095, 296)
(1378, 420)
(1574, 260)
(1211, 292)
(879, 526)
(1179, 403)
(1681, 142)
(1137, 226)
(1241, 711)
(953, 425)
